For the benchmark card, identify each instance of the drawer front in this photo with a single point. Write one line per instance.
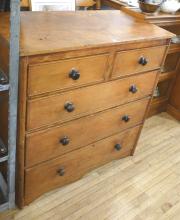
(50, 143)
(84, 101)
(73, 165)
(65, 74)
(136, 61)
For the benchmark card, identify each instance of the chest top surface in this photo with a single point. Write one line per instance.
(50, 32)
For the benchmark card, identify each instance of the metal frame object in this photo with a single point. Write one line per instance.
(9, 190)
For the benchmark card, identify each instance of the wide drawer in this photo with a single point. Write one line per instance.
(65, 74)
(84, 101)
(50, 143)
(136, 61)
(73, 165)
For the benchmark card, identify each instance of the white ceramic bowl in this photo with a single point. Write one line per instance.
(170, 6)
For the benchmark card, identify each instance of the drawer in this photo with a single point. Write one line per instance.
(136, 61)
(72, 166)
(80, 102)
(50, 143)
(48, 77)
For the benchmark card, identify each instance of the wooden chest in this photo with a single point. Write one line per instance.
(86, 81)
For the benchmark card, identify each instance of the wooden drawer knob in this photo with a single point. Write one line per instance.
(126, 118)
(118, 147)
(61, 171)
(69, 106)
(143, 61)
(133, 89)
(74, 74)
(65, 140)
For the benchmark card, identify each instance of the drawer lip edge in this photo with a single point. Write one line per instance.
(100, 77)
(111, 79)
(138, 125)
(59, 124)
(68, 59)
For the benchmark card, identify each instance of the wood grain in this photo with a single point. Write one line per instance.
(21, 132)
(146, 184)
(87, 100)
(54, 76)
(174, 102)
(105, 28)
(44, 177)
(25, 3)
(127, 62)
(170, 22)
(47, 46)
(44, 145)
(173, 111)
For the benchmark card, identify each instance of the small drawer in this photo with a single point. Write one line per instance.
(81, 102)
(50, 143)
(74, 165)
(48, 77)
(136, 61)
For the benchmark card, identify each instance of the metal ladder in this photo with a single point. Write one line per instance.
(7, 186)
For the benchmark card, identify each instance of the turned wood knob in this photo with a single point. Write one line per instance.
(61, 171)
(74, 74)
(69, 106)
(133, 89)
(65, 140)
(143, 61)
(126, 118)
(118, 147)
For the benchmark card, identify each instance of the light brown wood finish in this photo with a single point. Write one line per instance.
(25, 3)
(20, 159)
(173, 111)
(127, 62)
(79, 3)
(48, 77)
(170, 22)
(98, 50)
(139, 187)
(158, 105)
(160, 19)
(85, 3)
(88, 100)
(107, 33)
(114, 28)
(110, 31)
(4, 56)
(45, 177)
(44, 145)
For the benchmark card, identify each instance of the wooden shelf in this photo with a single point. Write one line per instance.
(158, 104)
(167, 76)
(160, 19)
(158, 100)
(174, 48)
(173, 111)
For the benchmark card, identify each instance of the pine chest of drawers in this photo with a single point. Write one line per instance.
(86, 81)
